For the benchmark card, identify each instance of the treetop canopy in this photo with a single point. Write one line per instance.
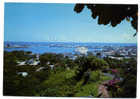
(112, 13)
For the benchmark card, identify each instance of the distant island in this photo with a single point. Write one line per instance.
(15, 46)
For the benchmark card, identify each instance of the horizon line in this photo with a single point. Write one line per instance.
(71, 42)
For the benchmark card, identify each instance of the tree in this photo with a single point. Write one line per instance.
(90, 62)
(129, 78)
(112, 13)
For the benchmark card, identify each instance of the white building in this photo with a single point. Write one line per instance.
(24, 74)
(33, 62)
(117, 58)
(51, 66)
(40, 68)
(21, 63)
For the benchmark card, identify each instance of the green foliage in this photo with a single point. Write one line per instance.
(91, 88)
(52, 58)
(80, 77)
(58, 81)
(88, 90)
(95, 76)
(89, 62)
(128, 72)
(111, 13)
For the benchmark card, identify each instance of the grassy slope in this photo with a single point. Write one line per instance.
(63, 84)
(91, 88)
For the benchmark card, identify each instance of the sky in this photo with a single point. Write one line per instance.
(41, 22)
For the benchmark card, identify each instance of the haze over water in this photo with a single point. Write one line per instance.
(61, 47)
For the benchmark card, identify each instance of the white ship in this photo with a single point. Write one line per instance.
(81, 50)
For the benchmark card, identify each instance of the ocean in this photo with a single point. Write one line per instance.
(61, 47)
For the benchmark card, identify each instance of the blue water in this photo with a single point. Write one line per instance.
(61, 47)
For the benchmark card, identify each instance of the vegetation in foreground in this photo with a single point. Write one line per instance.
(72, 78)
